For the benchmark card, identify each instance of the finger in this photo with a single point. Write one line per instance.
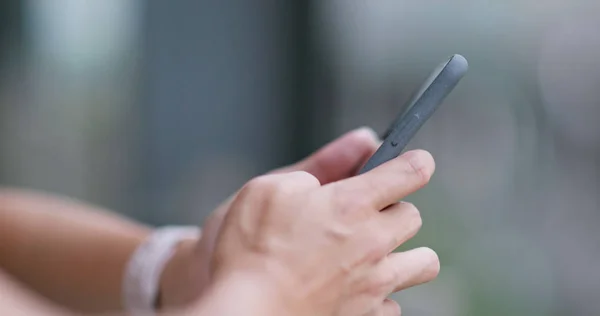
(297, 181)
(387, 308)
(379, 143)
(399, 222)
(388, 183)
(280, 184)
(340, 158)
(390, 308)
(407, 269)
(337, 160)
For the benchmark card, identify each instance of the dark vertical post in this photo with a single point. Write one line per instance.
(310, 112)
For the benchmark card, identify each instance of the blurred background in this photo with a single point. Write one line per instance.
(160, 109)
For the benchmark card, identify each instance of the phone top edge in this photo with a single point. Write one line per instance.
(430, 79)
(440, 83)
(458, 64)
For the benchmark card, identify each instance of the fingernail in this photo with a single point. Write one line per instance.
(370, 132)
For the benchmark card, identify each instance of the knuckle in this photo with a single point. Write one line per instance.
(383, 281)
(259, 184)
(259, 190)
(280, 191)
(298, 180)
(422, 164)
(375, 192)
(373, 246)
(379, 285)
(379, 246)
(292, 183)
(422, 176)
(286, 189)
(395, 275)
(306, 177)
(359, 203)
(346, 202)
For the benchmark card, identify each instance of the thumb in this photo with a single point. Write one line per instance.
(340, 158)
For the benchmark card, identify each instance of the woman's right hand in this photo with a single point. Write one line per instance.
(291, 246)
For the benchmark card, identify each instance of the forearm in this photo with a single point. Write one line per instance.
(242, 294)
(17, 301)
(75, 255)
(237, 298)
(69, 252)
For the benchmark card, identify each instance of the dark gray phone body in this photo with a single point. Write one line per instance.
(419, 109)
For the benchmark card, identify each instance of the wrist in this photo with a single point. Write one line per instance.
(182, 280)
(242, 293)
(145, 270)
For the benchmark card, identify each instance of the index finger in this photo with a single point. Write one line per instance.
(391, 181)
(340, 158)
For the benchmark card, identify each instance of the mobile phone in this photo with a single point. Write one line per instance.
(418, 110)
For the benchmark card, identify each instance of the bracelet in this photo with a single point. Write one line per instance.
(143, 271)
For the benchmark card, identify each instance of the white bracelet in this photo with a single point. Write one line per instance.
(143, 271)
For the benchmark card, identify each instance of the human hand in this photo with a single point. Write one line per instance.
(187, 275)
(302, 248)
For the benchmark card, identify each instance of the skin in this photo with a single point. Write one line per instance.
(74, 253)
(16, 300)
(69, 252)
(316, 249)
(310, 221)
(337, 160)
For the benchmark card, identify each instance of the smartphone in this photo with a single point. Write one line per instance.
(418, 110)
